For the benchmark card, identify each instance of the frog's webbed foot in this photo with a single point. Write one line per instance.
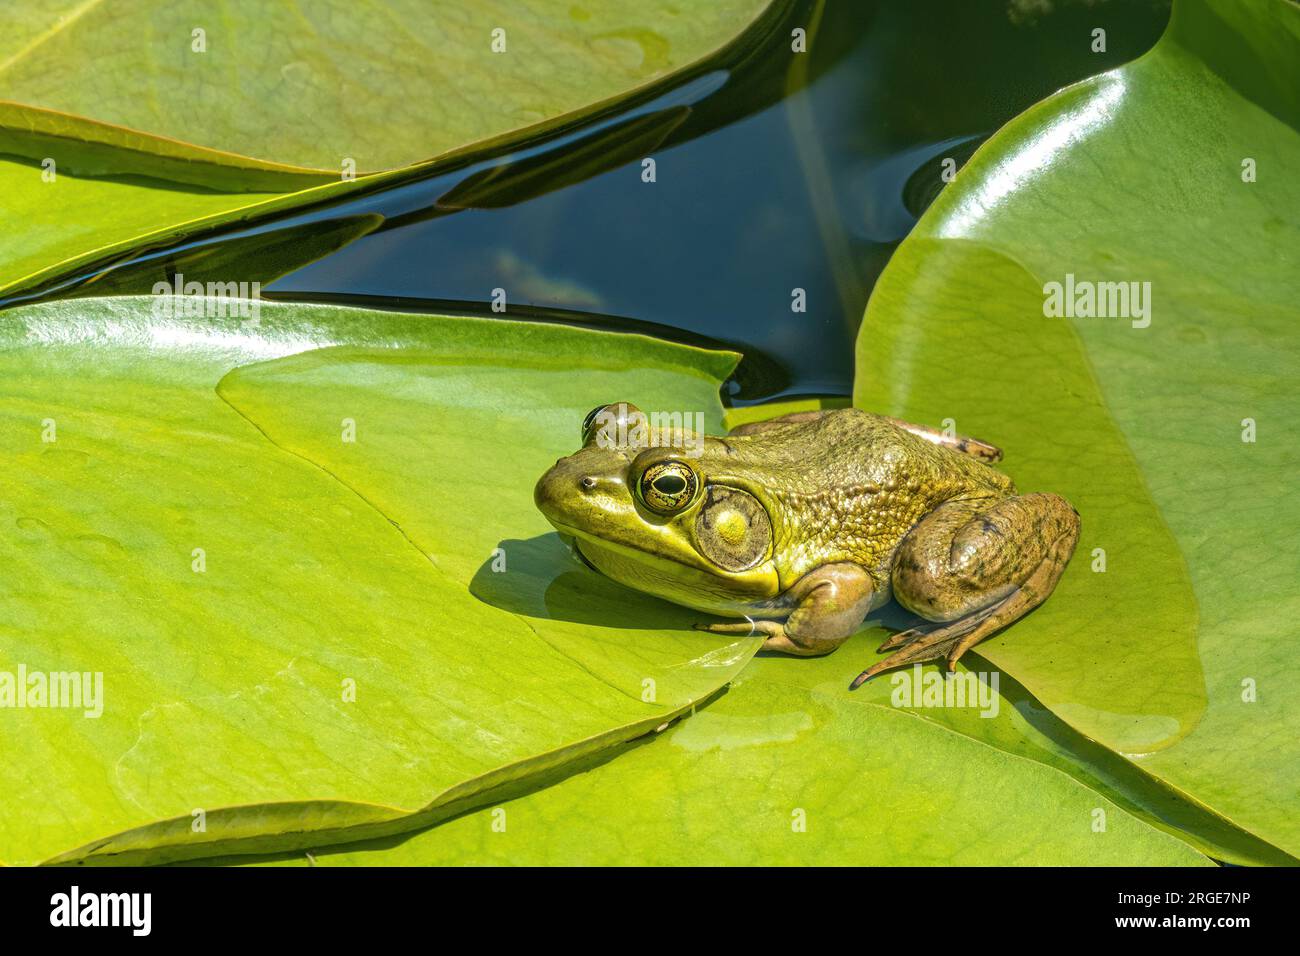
(975, 567)
(927, 644)
(830, 603)
(933, 633)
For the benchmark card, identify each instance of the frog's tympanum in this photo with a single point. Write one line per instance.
(803, 524)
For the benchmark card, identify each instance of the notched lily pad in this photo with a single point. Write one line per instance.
(293, 656)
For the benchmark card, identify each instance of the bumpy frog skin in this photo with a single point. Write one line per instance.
(804, 524)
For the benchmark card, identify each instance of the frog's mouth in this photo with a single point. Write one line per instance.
(572, 542)
(600, 550)
(575, 539)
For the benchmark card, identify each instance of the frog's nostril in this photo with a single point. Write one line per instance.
(588, 483)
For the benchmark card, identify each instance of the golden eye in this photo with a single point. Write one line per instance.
(668, 487)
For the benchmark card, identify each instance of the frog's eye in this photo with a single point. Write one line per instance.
(615, 426)
(668, 487)
(589, 423)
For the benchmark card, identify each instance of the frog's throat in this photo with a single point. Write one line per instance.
(693, 584)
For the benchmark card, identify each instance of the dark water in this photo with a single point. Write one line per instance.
(774, 172)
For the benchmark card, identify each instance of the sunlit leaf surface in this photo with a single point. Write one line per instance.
(789, 768)
(274, 638)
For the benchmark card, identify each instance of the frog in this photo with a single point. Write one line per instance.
(796, 528)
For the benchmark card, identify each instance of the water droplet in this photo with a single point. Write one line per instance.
(55, 455)
(100, 544)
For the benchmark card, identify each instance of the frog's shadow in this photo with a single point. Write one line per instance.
(541, 577)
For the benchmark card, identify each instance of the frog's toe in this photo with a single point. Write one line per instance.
(900, 639)
(912, 654)
(747, 627)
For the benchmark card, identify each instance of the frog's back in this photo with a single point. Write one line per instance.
(849, 485)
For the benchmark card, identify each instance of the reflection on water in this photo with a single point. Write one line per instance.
(774, 172)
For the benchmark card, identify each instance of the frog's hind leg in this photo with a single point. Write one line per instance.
(974, 567)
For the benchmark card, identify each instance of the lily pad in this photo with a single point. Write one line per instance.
(788, 768)
(386, 84)
(283, 661)
(1169, 637)
(161, 141)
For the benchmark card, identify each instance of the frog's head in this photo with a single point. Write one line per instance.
(646, 511)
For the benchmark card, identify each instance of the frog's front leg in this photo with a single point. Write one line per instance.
(830, 603)
(975, 566)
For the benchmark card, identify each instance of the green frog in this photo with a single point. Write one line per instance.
(802, 525)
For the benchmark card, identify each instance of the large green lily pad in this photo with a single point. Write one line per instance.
(276, 649)
(386, 83)
(159, 142)
(789, 768)
(1170, 434)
